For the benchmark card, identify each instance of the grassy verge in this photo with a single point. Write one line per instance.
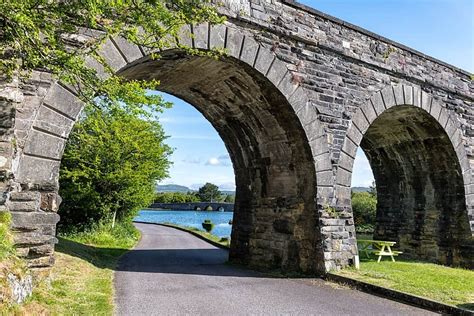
(82, 278)
(209, 236)
(453, 286)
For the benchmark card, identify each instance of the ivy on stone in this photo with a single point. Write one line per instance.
(56, 36)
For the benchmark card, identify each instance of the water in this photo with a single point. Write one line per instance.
(190, 218)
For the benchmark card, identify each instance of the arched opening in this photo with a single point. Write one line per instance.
(420, 189)
(275, 217)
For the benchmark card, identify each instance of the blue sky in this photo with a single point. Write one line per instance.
(440, 28)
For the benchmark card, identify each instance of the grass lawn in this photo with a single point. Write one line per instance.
(453, 286)
(206, 235)
(82, 278)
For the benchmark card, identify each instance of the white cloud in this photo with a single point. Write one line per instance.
(222, 160)
(213, 161)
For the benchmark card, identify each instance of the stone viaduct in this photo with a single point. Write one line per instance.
(297, 94)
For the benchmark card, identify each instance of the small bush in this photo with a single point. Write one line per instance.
(6, 240)
(208, 225)
(365, 229)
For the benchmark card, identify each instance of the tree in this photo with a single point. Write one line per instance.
(176, 197)
(364, 206)
(110, 167)
(230, 198)
(55, 36)
(209, 192)
(373, 189)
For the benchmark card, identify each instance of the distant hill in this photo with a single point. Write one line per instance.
(182, 188)
(172, 188)
(225, 192)
(360, 189)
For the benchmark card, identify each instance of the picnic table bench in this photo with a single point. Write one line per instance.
(379, 248)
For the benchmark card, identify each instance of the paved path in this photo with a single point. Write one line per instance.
(171, 272)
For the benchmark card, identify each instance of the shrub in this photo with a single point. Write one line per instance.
(6, 241)
(364, 206)
(208, 225)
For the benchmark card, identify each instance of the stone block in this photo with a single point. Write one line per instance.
(44, 145)
(130, 51)
(435, 109)
(30, 220)
(354, 134)
(185, 36)
(234, 42)
(201, 35)
(49, 120)
(389, 97)
(218, 36)
(378, 103)
(276, 72)
(343, 177)
(287, 86)
(417, 96)
(249, 51)
(38, 171)
(264, 59)
(426, 101)
(298, 99)
(399, 95)
(360, 122)
(112, 55)
(369, 111)
(408, 94)
(349, 148)
(25, 196)
(24, 206)
(50, 201)
(63, 102)
(346, 161)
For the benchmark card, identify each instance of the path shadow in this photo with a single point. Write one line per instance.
(211, 262)
(468, 306)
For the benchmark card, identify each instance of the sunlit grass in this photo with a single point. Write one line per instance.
(453, 286)
(82, 277)
(209, 236)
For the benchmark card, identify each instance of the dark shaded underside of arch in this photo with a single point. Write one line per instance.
(275, 219)
(420, 191)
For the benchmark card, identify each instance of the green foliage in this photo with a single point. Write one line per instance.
(110, 166)
(208, 225)
(209, 193)
(123, 236)
(364, 206)
(176, 197)
(42, 34)
(6, 240)
(229, 198)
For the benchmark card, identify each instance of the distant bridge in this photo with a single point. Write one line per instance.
(225, 207)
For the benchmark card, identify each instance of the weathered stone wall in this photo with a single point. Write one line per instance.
(297, 95)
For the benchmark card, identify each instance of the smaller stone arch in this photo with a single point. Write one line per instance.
(417, 102)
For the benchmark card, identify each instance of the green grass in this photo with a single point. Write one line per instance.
(82, 277)
(453, 286)
(204, 234)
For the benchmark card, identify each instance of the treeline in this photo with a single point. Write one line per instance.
(207, 193)
(364, 207)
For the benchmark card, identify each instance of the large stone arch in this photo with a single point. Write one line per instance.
(418, 155)
(278, 148)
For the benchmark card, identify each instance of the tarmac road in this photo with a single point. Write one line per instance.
(171, 272)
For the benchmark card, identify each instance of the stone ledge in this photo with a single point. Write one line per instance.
(402, 297)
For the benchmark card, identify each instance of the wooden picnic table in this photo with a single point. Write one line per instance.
(378, 247)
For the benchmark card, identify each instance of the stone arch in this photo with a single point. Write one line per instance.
(433, 211)
(277, 154)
